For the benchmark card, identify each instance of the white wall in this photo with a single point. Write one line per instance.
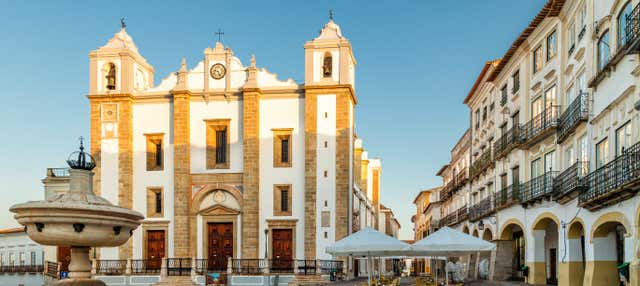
(215, 109)
(152, 118)
(282, 113)
(17, 243)
(326, 157)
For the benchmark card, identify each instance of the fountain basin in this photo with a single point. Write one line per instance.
(57, 224)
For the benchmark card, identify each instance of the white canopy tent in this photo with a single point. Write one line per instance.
(369, 242)
(448, 242)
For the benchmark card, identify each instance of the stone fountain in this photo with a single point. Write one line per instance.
(78, 219)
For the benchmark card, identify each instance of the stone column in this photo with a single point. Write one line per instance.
(536, 261)
(251, 175)
(229, 266)
(80, 265)
(94, 266)
(193, 267)
(128, 270)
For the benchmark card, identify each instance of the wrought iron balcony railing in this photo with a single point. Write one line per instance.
(507, 196)
(576, 112)
(538, 188)
(571, 182)
(482, 209)
(509, 140)
(146, 266)
(462, 177)
(614, 182)
(541, 125)
(462, 214)
(447, 191)
(478, 166)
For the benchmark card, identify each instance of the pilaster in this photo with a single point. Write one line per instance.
(251, 175)
(182, 174)
(310, 166)
(125, 166)
(344, 145)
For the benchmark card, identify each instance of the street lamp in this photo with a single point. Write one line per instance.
(266, 243)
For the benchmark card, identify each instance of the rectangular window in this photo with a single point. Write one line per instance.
(155, 151)
(570, 95)
(516, 82)
(569, 156)
(217, 143)
(282, 200)
(552, 45)
(503, 95)
(583, 21)
(515, 119)
(284, 203)
(623, 138)
(602, 152)
(572, 38)
(536, 168)
(549, 162)
(221, 147)
(537, 59)
(282, 147)
(581, 84)
(550, 98)
(477, 118)
(33, 258)
(484, 113)
(154, 202)
(583, 153)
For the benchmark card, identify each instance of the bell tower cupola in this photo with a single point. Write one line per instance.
(118, 67)
(329, 58)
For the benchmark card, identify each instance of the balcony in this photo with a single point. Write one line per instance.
(462, 178)
(462, 214)
(57, 172)
(538, 188)
(631, 46)
(447, 191)
(571, 182)
(482, 209)
(507, 196)
(483, 162)
(614, 182)
(509, 140)
(577, 112)
(541, 125)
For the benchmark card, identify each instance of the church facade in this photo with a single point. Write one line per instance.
(225, 159)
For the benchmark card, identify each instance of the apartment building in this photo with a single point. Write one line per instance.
(554, 152)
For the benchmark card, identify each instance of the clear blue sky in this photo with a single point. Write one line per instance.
(416, 62)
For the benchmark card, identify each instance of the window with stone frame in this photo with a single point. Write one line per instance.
(537, 59)
(282, 200)
(155, 202)
(217, 151)
(282, 142)
(155, 151)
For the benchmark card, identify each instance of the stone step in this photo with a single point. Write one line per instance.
(177, 280)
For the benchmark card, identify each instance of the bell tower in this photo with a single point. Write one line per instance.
(118, 67)
(329, 59)
(329, 139)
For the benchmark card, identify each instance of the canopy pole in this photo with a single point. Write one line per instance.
(369, 269)
(446, 273)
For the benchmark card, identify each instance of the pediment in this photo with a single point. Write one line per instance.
(219, 210)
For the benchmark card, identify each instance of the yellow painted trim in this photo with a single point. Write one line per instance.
(575, 222)
(537, 273)
(601, 273)
(541, 217)
(509, 222)
(610, 217)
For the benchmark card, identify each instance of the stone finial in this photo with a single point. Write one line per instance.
(252, 80)
(182, 81)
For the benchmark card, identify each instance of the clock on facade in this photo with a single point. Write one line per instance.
(217, 71)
